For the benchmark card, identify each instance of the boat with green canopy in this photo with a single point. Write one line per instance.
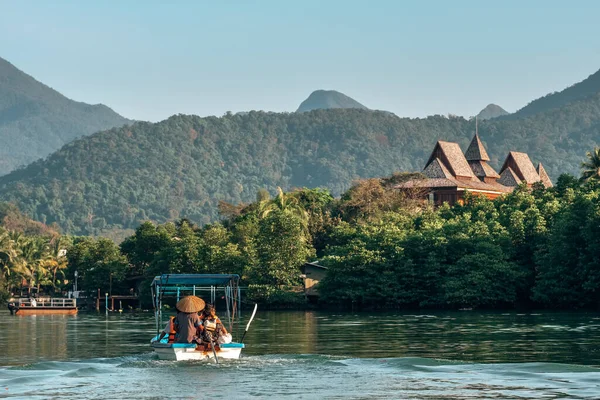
(223, 289)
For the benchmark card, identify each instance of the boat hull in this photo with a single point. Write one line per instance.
(183, 352)
(46, 310)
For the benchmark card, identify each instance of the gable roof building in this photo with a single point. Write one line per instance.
(522, 166)
(450, 173)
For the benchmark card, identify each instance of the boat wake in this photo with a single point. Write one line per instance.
(306, 376)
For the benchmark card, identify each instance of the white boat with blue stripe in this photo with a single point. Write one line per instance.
(205, 285)
(185, 351)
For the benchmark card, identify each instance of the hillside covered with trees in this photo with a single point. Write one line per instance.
(183, 166)
(36, 120)
(579, 91)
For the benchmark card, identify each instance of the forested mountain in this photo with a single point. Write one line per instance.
(13, 220)
(324, 99)
(579, 91)
(492, 111)
(36, 120)
(183, 166)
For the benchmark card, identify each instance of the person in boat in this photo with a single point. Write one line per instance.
(212, 329)
(169, 330)
(187, 322)
(12, 306)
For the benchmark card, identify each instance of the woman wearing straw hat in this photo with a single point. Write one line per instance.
(187, 321)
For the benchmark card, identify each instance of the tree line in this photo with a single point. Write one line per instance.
(534, 247)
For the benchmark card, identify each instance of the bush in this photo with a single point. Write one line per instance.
(4, 296)
(274, 297)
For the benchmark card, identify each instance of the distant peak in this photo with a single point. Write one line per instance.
(492, 111)
(324, 99)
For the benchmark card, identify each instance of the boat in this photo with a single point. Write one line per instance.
(45, 305)
(179, 285)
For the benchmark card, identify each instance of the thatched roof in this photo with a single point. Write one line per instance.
(509, 178)
(476, 151)
(482, 169)
(521, 166)
(544, 176)
(452, 156)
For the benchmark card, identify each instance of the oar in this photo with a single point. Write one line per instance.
(212, 345)
(249, 322)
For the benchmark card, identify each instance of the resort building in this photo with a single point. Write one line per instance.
(449, 173)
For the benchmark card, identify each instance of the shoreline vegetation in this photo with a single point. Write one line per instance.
(534, 248)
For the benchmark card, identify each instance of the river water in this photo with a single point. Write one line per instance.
(311, 355)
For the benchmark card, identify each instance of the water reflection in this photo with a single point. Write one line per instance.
(464, 336)
(569, 338)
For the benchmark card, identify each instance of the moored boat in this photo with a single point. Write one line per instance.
(181, 285)
(45, 305)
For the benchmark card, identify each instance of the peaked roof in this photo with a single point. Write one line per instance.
(476, 151)
(508, 177)
(522, 167)
(452, 156)
(482, 169)
(437, 169)
(544, 176)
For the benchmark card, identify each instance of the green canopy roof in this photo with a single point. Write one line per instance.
(195, 279)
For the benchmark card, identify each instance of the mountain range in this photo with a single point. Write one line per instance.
(36, 120)
(112, 180)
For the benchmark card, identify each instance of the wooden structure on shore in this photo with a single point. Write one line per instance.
(100, 301)
(449, 173)
(312, 273)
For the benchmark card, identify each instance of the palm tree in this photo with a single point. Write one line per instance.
(287, 204)
(591, 167)
(8, 254)
(29, 263)
(55, 260)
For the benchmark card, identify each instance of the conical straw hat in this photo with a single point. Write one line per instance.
(190, 304)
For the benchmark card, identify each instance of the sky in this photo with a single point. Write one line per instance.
(148, 59)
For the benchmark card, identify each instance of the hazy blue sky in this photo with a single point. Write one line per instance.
(148, 60)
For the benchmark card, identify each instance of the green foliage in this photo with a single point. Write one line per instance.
(591, 167)
(284, 249)
(32, 261)
(533, 247)
(568, 267)
(482, 277)
(99, 263)
(274, 297)
(4, 296)
(35, 120)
